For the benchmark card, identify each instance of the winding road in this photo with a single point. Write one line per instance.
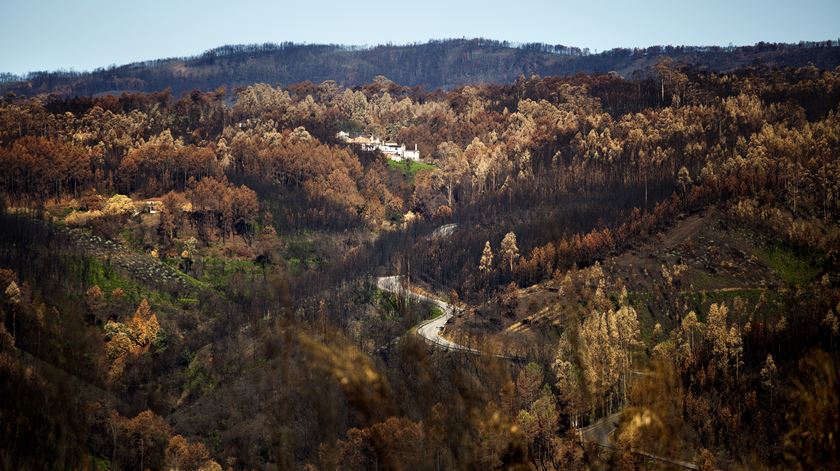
(430, 329)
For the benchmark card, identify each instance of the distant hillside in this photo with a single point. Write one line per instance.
(435, 64)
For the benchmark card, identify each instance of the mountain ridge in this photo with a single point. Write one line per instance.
(436, 64)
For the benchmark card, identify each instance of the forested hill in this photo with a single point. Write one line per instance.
(435, 64)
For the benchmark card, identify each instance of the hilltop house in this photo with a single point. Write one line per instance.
(393, 150)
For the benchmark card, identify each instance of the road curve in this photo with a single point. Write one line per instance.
(601, 432)
(429, 330)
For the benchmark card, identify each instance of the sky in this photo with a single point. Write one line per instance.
(86, 34)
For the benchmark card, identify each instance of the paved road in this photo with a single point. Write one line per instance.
(601, 431)
(429, 330)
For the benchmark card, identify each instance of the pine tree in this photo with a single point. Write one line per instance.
(485, 265)
(684, 179)
(528, 384)
(832, 324)
(510, 252)
(768, 373)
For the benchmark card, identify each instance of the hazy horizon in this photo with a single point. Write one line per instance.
(93, 34)
(393, 44)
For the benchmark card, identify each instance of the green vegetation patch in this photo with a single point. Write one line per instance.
(217, 271)
(93, 272)
(387, 302)
(762, 304)
(389, 305)
(188, 302)
(640, 302)
(793, 266)
(99, 462)
(409, 168)
(301, 253)
(197, 379)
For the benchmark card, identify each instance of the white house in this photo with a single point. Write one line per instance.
(401, 153)
(393, 150)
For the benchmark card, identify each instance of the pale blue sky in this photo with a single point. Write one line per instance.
(85, 34)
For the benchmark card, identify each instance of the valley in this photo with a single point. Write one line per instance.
(629, 261)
